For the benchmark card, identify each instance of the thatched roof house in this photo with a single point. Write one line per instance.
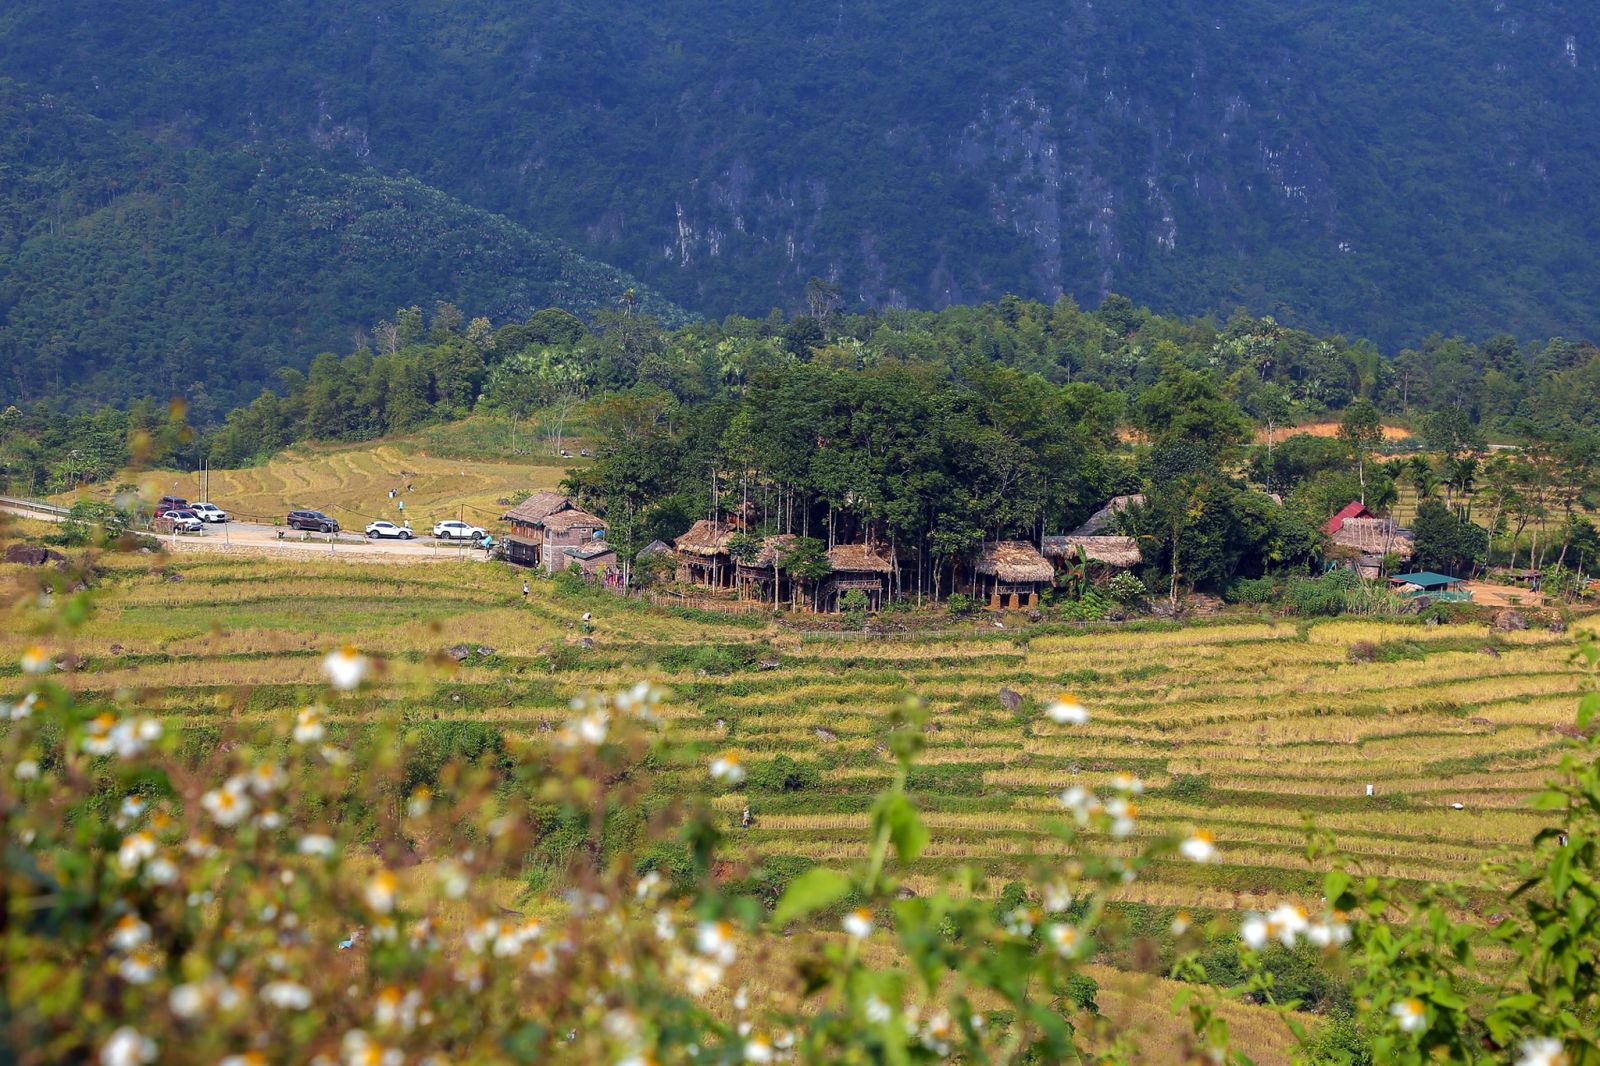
(859, 559)
(774, 550)
(655, 548)
(536, 508)
(1374, 536)
(1111, 551)
(705, 538)
(572, 518)
(1010, 573)
(703, 555)
(1014, 562)
(1105, 520)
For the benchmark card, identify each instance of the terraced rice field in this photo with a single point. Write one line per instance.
(352, 484)
(1244, 728)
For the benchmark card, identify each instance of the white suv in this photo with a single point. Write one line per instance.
(457, 531)
(182, 522)
(209, 512)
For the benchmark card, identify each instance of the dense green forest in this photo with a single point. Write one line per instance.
(133, 265)
(1348, 166)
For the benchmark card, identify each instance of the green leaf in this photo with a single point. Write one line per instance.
(810, 892)
(1588, 707)
(906, 831)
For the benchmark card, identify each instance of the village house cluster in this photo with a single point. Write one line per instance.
(550, 531)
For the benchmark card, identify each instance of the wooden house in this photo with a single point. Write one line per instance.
(525, 541)
(1360, 540)
(703, 557)
(1012, 574)
(763, 576)
(855, 566)
(569, 528)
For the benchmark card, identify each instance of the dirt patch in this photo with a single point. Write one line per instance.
(1486, 594)
(1324, 429)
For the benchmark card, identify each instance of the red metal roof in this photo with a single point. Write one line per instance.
(1353, 509)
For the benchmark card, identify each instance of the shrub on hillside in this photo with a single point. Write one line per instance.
(1321, 597)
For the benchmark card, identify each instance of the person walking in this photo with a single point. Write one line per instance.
(524, 590)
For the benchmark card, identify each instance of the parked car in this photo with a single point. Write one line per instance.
(170, 503)
(183, 521)
(209, 512)
(388, 529)
(315, 521)
(454, 530)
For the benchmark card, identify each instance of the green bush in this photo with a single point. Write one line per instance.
(784, 774)
(1126, 589)
(1322, 597)
(1253, 591)
(960, 605)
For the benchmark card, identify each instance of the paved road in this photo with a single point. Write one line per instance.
(258, 536)
(261, 535)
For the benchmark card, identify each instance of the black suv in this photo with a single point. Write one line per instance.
(315, 521)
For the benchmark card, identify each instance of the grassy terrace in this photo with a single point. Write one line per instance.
(1243, 727)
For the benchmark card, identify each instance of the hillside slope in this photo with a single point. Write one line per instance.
(1342, 164)
(134, 265)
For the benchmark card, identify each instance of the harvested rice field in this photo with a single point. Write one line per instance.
(1246, 728)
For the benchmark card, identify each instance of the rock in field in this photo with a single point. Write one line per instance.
(1010, 700)
(1509, 621)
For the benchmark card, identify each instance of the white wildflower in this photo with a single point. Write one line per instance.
(715, 940)
(1542, 1051)
(1201, 846)
(758, 1049)
(319, 845)
(382, 889)
(1057, 896)
(129, 933)
(345, 668)
(876, 1010)
(702, 976)
(1065, 939)
(228, 805)
(1126, 782)
(35, 660)
(1410, 1015)
(1022, 921)
(308, 727)
(858, 923)
(453, 879)
(1066, 710)
(727, 768)
(135, 849)
(139, 966)
(1288, 923)
(127, 1047)
(286, 995)
(1254, 932)
(26, 770)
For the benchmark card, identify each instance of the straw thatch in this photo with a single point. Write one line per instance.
(705, 538)
(562, 521)
(858, 558)
(774, 550)
(1105, 519)
(536, 508)
(1374, 536)
(1015, 562)
(654, 548)
(1112, 551)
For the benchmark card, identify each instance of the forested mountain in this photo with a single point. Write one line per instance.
(1376, 169)
(136, 265)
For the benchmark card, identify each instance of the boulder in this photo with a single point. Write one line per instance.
(826, 735)
(1509, 621)
(33, 555)
(1558, 626)
(1010, 700)
(768, 664)
(457, 653)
